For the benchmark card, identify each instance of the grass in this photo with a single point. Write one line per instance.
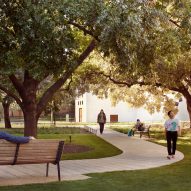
(174, 177)
(99, 147)
(48, 130)
(47, 124)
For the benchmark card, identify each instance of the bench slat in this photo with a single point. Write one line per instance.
(6, 158)
(36, 151)
(8, 150)
(38, 148)
(35, 162)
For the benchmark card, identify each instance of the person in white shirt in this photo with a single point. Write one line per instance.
(172, 127)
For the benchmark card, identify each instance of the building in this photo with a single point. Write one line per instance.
(88, 106)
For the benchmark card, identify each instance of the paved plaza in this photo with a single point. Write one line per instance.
(137, 154)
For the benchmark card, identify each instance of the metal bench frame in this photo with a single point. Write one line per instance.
(56, 162)
(146, 131)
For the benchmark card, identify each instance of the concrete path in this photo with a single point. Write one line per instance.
(137, 154)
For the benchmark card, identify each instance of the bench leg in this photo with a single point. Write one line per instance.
(58, 168)
(47, 169)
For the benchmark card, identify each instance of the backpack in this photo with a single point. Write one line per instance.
(130, 133)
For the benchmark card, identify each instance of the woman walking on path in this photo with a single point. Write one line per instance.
(101, 119)
(172, 127)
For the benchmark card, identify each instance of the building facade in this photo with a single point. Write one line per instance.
(88, 106)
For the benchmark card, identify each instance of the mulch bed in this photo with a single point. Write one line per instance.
(72, 148)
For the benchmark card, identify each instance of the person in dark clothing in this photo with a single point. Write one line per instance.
(101, 119)
(139, 126)
(14, 139)
(172, 128)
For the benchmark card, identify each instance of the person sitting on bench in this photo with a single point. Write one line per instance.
(15, 139)
(139, 126)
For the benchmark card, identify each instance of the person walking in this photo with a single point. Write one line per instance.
(172, 127)
(101, 119)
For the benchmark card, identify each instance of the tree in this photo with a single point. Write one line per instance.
(162, 62)
(62, 102)
(36, 42)
(6, 102)
(39, 39)
(104, 85)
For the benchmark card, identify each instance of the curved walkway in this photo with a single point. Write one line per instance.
(137, 154)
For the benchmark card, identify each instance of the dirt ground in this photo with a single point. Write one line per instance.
(72, 148)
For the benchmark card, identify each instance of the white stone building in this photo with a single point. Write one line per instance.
(88, 106)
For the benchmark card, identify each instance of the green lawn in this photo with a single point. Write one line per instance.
(99, 147)
(175, 177)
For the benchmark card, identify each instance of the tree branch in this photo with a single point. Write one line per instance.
(181, 89)
(116, 81)
(9, 93)
(48, 94)
(84, 30)
(141, 83)
(18, 86)
(175, 23)
(68, 87)
(185, 92)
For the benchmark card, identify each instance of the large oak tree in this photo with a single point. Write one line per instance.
(40, 39)
(164, 61)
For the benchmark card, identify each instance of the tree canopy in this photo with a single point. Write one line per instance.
(161, 63)
(51, 39)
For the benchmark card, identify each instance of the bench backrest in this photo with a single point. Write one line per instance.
(147, 127)
(36, 151)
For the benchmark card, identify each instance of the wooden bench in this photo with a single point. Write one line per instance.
(146, 131)
(34, 152)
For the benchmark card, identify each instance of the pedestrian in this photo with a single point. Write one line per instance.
(14, 139)
(101, 119)
(172, 128)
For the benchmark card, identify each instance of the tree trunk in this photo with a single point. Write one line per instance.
(29, 111)
(187, 96)
(30, 123)
(6, 114)
(29, 108)
(188, 101)
(27, 91)
(51, 116)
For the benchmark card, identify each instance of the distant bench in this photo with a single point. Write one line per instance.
(185, 124)
(34, 152)
(145, 131)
